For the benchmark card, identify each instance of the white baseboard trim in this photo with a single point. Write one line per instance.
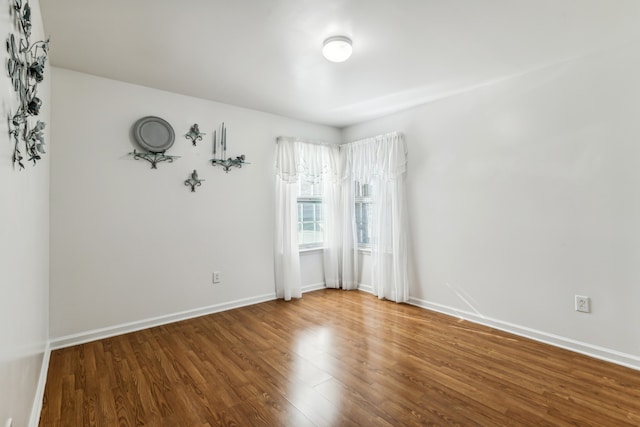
(365, 288)
(313, 287)
(36, 408)
(608, 355)
(125, 328)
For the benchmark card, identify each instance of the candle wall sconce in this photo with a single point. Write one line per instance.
(26, 69)
(194, 134)
(193, 181)
(226, 163)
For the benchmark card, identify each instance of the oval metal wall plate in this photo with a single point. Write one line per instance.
(154, 134)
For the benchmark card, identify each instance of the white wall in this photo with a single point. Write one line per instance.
(527, 192)
(24, 253)
(311, 270)
(130, 243)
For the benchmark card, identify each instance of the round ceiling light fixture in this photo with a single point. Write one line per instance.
(337, 48)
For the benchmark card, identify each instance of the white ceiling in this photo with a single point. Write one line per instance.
(266, 54)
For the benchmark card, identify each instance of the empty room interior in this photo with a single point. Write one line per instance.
(320, 213)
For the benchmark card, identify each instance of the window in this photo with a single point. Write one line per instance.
(311, 218)
(363, 210)
(310, 215)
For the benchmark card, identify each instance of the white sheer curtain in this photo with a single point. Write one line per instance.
(379, 161)
(350, 268)
(286, 259)
(331, 200)
(296, 161)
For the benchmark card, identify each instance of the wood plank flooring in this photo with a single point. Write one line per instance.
(333, 358)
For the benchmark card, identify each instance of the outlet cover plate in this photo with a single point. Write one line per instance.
(583, 304)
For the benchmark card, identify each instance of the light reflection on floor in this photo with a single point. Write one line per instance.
(313, 390)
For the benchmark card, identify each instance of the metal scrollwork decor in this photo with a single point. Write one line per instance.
(26, 69)
(193, 181)
(153, 158)
(194, 134)
(227, 164)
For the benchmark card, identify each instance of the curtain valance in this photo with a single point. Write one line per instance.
(383, 157)
(299, 160)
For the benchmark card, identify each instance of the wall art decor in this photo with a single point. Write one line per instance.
(194, 134)
(193, 181)
(155, 136)
(226, 163)
(26, 70)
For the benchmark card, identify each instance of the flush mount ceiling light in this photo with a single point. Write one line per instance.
(337, 48)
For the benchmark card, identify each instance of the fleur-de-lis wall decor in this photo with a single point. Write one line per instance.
(26, 70)
(194, 134)
(193, 181)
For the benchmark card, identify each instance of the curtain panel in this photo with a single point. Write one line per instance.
(380, 161)
(302, 161)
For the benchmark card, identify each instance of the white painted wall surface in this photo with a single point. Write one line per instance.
(131, 243)
(311, 269)
(527, 192)
(24, 252)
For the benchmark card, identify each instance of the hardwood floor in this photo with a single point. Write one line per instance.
(332, 358)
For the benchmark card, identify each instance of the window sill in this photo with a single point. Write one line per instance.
(310, 251)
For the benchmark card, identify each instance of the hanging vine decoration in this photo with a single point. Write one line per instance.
(26, 69)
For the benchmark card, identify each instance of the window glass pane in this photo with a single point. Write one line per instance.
(310, 227)
(366, 190)
(363, 222)
(363, 212)
(308, 212)
(310, 209)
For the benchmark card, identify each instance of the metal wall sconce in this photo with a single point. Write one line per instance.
(227, 163)
(193, 181)
(194, 134)
(26, 69)
(153, 158)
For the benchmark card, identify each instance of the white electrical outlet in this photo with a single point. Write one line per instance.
(216, 277)
(583, 304)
